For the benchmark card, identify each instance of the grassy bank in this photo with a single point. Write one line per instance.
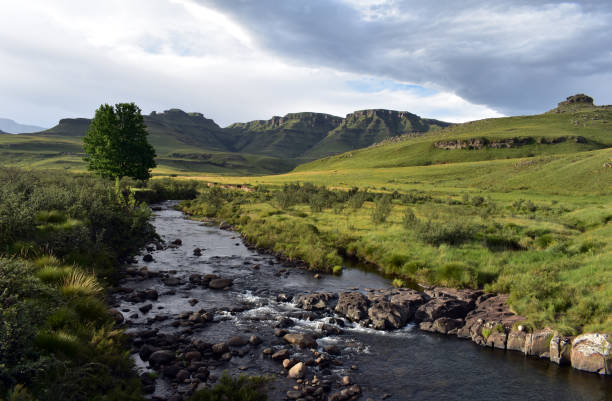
(550, 253)
(62, 237)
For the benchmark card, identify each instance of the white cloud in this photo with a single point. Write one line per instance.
(63, 58)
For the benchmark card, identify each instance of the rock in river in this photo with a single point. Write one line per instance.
(220, 283)
(301, 340)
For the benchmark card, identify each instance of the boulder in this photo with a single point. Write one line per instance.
(301, 340)
(162, 357)
(297, 371)
(193, 356)
(220, 348)
(387, 316)
(516, 340)
(255, 340)
(317, 301)
(497, 339)
(408, 301)
(593, 353)
(197, 252)
(560, 349)
(444, 325)
(116, 315)
(220, 283)
(443, 307)
(538, 343)
(280, 355)
(237, 341)
(353, 305)
(147, 258)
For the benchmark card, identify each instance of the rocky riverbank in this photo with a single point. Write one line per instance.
(481, 317)
(202, 303)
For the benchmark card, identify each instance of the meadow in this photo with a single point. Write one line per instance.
(536, 228)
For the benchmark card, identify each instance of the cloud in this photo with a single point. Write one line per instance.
(243, 60)
(514, 56)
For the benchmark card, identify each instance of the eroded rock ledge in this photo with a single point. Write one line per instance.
(482, 143)
(481, 317)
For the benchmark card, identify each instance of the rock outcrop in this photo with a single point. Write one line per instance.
(592, 353)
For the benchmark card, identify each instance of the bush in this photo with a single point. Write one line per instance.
(382, 209)
(454, 232)
(242, 388)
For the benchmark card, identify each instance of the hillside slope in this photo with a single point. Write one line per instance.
(569, 128)
(189, 142)
(367, 127)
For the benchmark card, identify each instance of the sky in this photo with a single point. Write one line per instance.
(240, 60)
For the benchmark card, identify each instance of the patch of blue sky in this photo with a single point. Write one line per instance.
(373, 85)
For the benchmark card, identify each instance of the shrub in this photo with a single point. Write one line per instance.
(337, 269)
(382, 209)
(409, 219)
(242, 388)
(454, 232)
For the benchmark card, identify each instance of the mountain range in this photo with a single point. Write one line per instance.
(8, 126)
(190, 141)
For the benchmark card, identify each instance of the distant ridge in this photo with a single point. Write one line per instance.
(9, 126)
(304, 136)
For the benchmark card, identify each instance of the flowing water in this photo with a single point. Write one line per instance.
(406, 364)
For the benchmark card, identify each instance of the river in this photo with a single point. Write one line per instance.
(406, 364)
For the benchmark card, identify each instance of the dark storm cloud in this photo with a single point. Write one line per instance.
(515, 56)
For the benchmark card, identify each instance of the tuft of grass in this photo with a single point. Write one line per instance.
(54, 274)
(59, 342)
(242, 388)
(80, 283)
(337, 269)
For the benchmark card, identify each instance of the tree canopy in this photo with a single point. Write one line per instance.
(116, 143)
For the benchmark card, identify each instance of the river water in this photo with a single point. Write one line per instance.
(406, 364)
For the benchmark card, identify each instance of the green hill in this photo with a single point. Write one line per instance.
(190, 143)
(367, 127)
(292, 135)
(574, 126)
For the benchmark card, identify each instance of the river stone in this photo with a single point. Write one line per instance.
(593, 353)
(237, 341)
(538, 343)
(280, 355)
(146, 308)
(386, 316)
(220, 348)
(116, 315)
(220, 283)
(317, 301)
(561, 349)
(193, 356)
(289, 363)
(297, 371)
(443, 307)
(146, 350)
(255, 340)
(147, 258)
(353, 305)
(301, 340)
(162, 357)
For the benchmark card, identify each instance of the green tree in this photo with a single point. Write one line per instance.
(116, 143)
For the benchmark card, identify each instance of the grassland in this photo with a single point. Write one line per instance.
(531, 220)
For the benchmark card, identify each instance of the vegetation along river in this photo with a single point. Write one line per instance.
(170, 306)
